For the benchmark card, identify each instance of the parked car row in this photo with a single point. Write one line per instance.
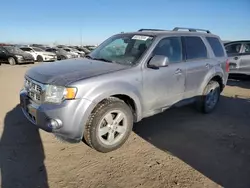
(14, 55)
(17, 54)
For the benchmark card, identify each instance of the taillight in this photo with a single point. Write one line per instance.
(227, 65)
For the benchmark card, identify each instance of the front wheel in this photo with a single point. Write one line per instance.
(11, 61)
(39, 58)
(109, 126)
(211, 95)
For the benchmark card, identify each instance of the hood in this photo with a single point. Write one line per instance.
(65, 72)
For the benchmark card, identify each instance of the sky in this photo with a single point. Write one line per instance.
(93, 21)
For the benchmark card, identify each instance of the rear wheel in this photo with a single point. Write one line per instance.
(211, 95)
(11, 61)
(109, 126)
(39, 58)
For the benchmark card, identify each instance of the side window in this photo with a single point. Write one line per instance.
(233, 48)
(195, 48)
(247, 48)
(216, 46)
(170, 47)
(26, 49)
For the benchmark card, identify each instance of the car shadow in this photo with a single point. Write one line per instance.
(216, 144)
(21, 153)
(238, 80)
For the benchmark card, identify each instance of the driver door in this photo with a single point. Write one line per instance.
(165, 86)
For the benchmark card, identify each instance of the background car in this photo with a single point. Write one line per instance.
(39, 54)
(83, 49)
(90, 47)
(61, 53)
(239, 56)
(72, 52)
(14, 55)
(81, 53)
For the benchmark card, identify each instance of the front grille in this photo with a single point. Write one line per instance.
(34, 90)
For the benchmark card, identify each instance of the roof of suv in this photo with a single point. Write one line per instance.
(175, 31)
(236, 41)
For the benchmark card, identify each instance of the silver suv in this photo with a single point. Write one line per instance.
(128, 77)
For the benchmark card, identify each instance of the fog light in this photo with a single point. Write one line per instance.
(54, 124)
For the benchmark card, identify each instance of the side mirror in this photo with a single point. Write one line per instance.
(158, 61)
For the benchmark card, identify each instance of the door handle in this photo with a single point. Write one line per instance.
(178, 71)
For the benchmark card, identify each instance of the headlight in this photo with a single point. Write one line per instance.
(56, 94)
(19, 56)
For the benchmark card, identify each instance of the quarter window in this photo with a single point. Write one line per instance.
(216, 46)
(195, 48)
(170, 47)
(233, 48)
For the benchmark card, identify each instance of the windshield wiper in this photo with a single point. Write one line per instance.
(99, 59)
(89, 57)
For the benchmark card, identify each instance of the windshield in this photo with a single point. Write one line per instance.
(13, 49)
(38, 49)
(124, 49)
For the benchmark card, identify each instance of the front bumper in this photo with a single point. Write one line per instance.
(50, 58)
(73, 115)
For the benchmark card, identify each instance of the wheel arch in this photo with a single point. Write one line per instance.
(132, 100)
(216, 76)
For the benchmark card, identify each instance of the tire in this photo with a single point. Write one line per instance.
(102, 120)
(62, 57)
(39, 58)
(11, 61)
(210, 98)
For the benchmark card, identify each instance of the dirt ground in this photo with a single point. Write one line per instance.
(178, 148)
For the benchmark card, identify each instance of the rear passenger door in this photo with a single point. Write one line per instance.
(245, 56)
(198, 64)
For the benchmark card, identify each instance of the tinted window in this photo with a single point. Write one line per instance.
(170, 47)
(26, 49)
(247, 48)
(216, 46)
(233, 48)
(195, 48)
(51, 50)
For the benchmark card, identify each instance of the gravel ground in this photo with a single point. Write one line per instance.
(178, 148)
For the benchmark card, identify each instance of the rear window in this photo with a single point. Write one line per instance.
(195, 48)
(216, 46)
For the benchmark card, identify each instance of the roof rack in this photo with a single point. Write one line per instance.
(151, 30)
(191, 29)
